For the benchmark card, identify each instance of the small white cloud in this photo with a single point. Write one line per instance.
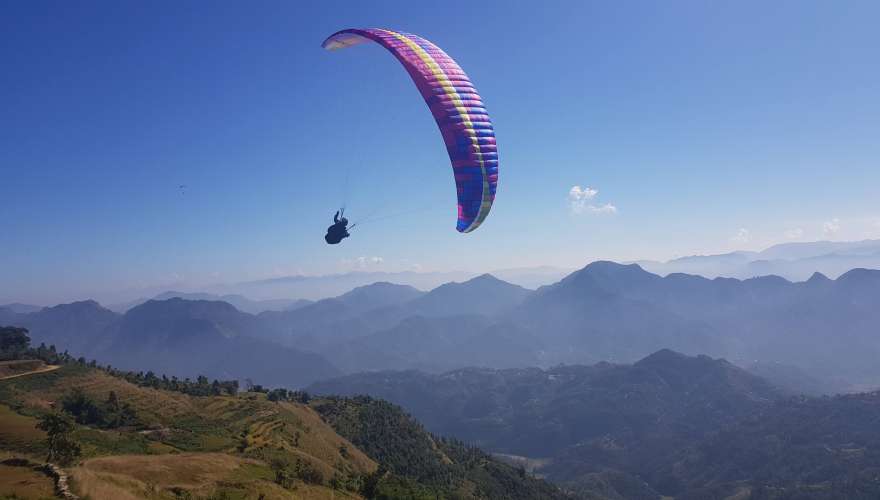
(794, 234)
(742, 236)
(580, 200)
(578, 193)
(280, 272)
(831, 227)
(607, 208)
(362, 262)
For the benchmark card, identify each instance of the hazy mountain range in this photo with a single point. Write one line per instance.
(668, 425)
(318, 287)
(821, 327)
(19, 308)
(607, 311)
(240, 302)
(177, 337)
(278, 293)
(793, 261)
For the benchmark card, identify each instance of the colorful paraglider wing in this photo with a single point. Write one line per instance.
(457, 108)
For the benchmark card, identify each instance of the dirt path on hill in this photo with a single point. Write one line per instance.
(44, 369)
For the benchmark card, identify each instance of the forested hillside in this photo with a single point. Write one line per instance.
(668, 425)
(141, 435)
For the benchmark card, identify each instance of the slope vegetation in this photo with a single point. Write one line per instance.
(177, 445)
(668, 425)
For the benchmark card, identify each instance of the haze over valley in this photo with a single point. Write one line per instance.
(605, 311)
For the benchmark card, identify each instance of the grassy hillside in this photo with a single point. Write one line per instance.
(175, 445)
(689, 428)
(19, 433)
(446, 468)
(23, 482)
(188, 475)
(14, 368)
(213, 445)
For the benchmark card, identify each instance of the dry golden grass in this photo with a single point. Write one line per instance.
(267, 423)
(99, 486)
(298, 432)
(25, 483)
(308, 492)
(151, 404)
(190, 471)
(18, 432)
(200, 474)
(217, 432)
(20, 367)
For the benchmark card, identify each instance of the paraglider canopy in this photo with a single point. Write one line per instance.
(457, 108)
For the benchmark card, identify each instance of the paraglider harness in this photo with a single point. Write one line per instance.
(339, 230)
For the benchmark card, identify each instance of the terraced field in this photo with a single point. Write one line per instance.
(200, 475)
(175, 446)
(185, 445)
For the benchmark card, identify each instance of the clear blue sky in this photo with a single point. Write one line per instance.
(708, 126)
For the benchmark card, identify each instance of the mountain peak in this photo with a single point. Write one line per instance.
(486, 278)
(482, 280)
(484, 294)
(667, 360)
(606, 269)
(713, 375)
(81, 305)
(607, 276)
(859, 275)
(379, 285)
(768, 280)
(608, 265)
(818, 277)
(378, 294)
(178, 305)
(663, 357)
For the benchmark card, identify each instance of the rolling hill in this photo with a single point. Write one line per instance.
(669, 425)
(245, 446)
(177, 337)
(240, 302)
